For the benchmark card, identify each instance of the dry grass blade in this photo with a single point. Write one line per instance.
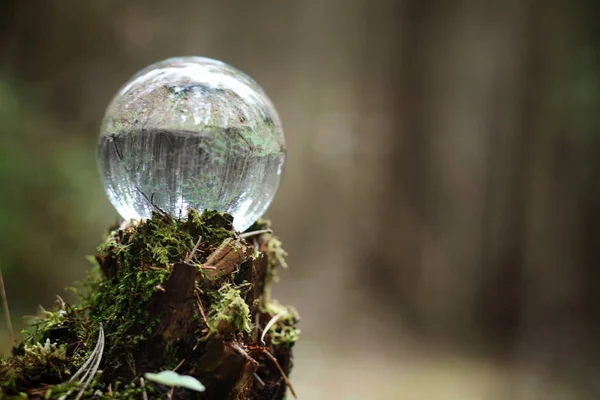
(87, 362)
(269, 325)
(88, 377)
(90, 366)
(6, 310)
(254, 233)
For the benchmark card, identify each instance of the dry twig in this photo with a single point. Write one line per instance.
(144, 394)
(6, 311)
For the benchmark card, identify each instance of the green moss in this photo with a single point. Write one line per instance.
(128, 275)
(142, 260)
(45, 363)
(123, 309)
(62, 389)
(284, 331)
(134, 390)
(138, 261)
(156, 242)
(276, 254)
(46, 354)
(229, 311)
(53, 324)
(213, 226)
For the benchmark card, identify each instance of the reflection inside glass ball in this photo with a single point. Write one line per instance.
(191, 133)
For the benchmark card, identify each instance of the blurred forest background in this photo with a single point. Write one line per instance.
(441, 200)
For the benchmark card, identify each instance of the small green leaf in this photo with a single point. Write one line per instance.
(171, 378)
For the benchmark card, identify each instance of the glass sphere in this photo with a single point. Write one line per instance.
(191, 132)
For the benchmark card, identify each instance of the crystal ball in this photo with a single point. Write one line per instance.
(191, 132)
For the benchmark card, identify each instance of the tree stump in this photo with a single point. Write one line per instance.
(187, 295)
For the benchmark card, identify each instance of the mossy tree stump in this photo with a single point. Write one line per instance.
(189, 295)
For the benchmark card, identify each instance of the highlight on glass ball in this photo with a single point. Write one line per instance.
(191, 133)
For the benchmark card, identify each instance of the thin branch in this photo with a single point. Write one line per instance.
(151, 201)
(261, 383)
(256, 325)
(6, 311)
(144, 394)
(178, 365)
(194, 250)
(285, 378)
(201, 308)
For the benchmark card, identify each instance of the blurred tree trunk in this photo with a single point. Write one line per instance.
(484, 218)
(557, 332)
(456, 76)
